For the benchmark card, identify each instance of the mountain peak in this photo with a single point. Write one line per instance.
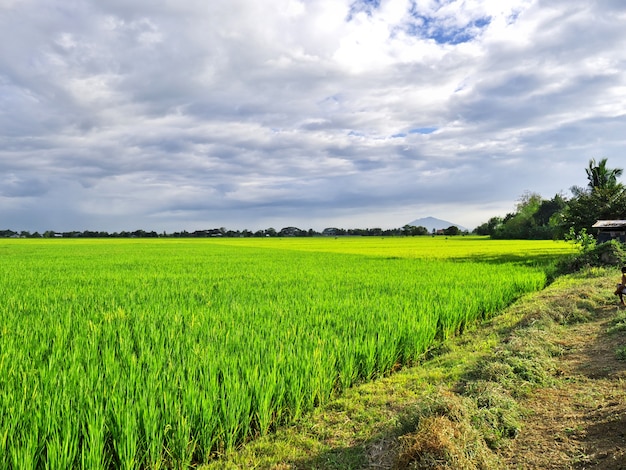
(434, 224)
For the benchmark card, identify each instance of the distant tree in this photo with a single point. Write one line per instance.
(412, 230)
(333, 232)
(291, 232)
(547, 208)
(587, 207)
(520, 224)
(604, 198)
(534, 218)
(602, 177)
(489, 228)
(547, 218)
(452, 230)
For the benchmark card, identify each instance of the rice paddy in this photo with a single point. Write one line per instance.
(164, 353)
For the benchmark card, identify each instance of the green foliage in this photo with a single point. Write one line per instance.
(535, 218)
(611, 253)
(452, 230)
(582, 239)
(412, 230)
(602, 177)
(588, 206)
(489, 228)
(603, 199)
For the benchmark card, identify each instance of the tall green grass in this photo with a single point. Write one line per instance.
(162, 353)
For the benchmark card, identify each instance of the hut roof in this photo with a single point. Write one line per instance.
(609, 224)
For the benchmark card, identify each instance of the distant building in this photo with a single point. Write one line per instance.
(611, 230)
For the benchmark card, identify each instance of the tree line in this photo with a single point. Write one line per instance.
(407, 230)
(604, 198)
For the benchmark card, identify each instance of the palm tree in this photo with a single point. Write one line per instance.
(601, 177)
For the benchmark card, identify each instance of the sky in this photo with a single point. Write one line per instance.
(174, 115)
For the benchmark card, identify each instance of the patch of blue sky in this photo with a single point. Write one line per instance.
(432, 28)
(423, 130)
(417, 130)
(363, 6)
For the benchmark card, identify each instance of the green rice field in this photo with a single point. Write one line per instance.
(163, 353)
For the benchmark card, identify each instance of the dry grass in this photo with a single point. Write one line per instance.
(446, 439)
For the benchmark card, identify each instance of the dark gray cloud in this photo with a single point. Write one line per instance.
(184, 115)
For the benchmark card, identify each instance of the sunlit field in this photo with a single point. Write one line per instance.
(162, 353)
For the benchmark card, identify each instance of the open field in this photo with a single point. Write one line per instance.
(160, 353)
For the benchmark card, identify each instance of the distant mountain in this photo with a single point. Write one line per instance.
(432, 223)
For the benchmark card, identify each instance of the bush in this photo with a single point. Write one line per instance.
(611, 253)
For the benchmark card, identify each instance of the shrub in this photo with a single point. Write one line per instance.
(611, 253)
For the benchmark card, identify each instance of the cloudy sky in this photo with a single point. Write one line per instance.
(190, 114)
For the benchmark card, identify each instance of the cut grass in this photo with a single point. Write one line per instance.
(616, 326)
(454, 410)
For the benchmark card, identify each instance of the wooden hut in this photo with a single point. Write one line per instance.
(611, 230)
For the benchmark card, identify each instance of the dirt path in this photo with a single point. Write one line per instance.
(580, 423)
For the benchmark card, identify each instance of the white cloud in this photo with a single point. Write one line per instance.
(169, 115)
